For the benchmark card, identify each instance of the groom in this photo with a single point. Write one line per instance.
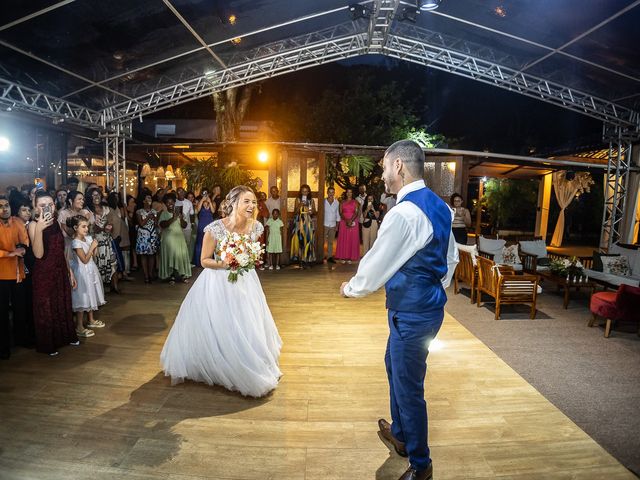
(414, 256)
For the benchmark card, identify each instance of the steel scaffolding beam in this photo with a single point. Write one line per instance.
(424, 51)
(16, 96)
(115, 160)
(382, 16)
(336, 43)
(616, 185)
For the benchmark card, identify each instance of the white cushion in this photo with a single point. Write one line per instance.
(510, 255)
(616, 266)
(534, 247)
(632, 255)
(472, 249)
(494, 247)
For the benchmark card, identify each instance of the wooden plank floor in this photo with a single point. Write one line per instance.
(104, 411)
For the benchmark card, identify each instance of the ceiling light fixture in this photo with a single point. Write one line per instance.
(428, 5)
(410, 14)
(359, 11)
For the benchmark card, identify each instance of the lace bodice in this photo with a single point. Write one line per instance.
(218, 230)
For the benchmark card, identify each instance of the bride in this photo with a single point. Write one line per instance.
(224, 333)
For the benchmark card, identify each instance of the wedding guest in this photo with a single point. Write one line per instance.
(130, 212)
(216, 201)
(348, 249)
(360, 198)
(263, 211)
(72, 184)
(185, 207)
(147, 236)
(53, 280)
(204, 212)
(303, 235)
(388, 200)
(13, 244)
(175, 264)
(371, 215)
(102, 226)
(461, 219)
(158, 200)
(61, 199)
(120, 234)
(88, 295)
(274, 200)
(275, 230)
(75, 206)
(331, 219)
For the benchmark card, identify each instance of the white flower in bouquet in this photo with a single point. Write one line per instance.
(243, 258)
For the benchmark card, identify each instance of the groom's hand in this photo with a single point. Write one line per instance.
(344, 284)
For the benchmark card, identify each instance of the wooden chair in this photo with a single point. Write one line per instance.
(505, 286)
(466, 272)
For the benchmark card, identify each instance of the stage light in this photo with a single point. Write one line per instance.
(359, 11)
(410, 14)
(263, 156)
(428, 5)
(5, 144)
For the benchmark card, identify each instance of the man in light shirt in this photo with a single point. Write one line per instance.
(414, 256)
(331, 219)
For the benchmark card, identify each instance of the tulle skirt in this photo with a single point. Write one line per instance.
(224, 334)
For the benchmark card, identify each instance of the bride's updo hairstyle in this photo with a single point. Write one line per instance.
(230, 203)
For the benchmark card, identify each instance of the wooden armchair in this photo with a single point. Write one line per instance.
(466, 272)
(505, 286)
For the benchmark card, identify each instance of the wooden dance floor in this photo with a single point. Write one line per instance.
(104, 411)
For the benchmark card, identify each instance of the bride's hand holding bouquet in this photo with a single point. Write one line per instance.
(240, 254)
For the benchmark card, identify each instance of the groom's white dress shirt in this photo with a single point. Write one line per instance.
(404, 231)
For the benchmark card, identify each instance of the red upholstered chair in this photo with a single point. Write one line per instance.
(613, 306)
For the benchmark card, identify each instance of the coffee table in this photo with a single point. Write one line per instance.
(567, 285)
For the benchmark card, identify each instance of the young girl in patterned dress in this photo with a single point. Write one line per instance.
(89, 293)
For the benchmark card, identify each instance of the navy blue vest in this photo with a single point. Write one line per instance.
(417, 286)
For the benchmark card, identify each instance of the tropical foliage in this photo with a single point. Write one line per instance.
(510, 203)
(206, 172)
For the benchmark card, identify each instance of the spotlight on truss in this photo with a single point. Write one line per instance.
(410, 14)
(359, 11)
(428, 5)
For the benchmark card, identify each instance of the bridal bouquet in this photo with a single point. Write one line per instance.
(240, 253)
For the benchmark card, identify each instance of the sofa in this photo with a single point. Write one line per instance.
(501, 253)
(621, 265)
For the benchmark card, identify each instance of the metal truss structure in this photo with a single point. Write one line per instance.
(616, 185)
(115, 159)
(384, 33)
(16, 96)
(379, 27)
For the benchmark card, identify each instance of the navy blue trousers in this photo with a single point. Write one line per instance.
(406, 362)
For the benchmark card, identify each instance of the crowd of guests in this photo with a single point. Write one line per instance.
(60, 250)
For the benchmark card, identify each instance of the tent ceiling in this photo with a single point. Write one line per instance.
(120, 58)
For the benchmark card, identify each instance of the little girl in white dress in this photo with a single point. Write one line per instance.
(224, 333)
(89, 293)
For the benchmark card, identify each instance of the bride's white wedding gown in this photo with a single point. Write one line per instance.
(224, 333)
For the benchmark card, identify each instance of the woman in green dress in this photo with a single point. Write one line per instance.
(175, 262)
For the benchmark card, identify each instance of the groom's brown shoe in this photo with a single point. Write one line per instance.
(413, 474)
(385, 432)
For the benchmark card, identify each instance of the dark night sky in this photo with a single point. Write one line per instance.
(478, 115)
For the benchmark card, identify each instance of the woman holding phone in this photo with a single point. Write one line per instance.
(175, 261)
(52, 279)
